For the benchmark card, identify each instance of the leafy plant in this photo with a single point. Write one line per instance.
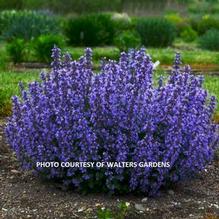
(90, 30)
(43, 46)
(188, 34)
(210, 40)
(178, 21)
(126, 40)
(119, 213)
(17, 50)
(203, 24)
(104, 213)
(156, 32)
(26, 24)
(122, 22)
(117, 115)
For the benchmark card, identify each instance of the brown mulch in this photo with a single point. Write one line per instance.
(22, 195)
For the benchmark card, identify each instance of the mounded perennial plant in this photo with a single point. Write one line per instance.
(120, 115)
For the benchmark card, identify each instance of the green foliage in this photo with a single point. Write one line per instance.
(119, 213)
(12, 4)
(122, 22)
(203, 24)
(210, 40)
(204, 6)
(188, 34)
(74, 6)
(192, 57)
(43, 46)
(4, 57)
(156, 32)
(127, 39)
(17, 50)
(8, 88)
(181, 23)
(90, 30)
(103, 213)
(26, 24)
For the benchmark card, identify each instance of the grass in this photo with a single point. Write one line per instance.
(164, 55)
(194, 57)
(98, 52)
(191, 54)
(212, 85)
(9, 87)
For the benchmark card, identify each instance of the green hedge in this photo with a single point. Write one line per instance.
(39, 49)
(26, 24)
(17, 50)
(43, 45)
(156, 32)
(127, 39)
(203, 24)
(210, 40)
(90, 30)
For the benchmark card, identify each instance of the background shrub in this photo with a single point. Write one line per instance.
(43, 46)
(26, 24)
(17, 50)
(90, 30)
(126, 40)
(210, 40)
(156, 32)
(178, 21)
(118, 115)
(188, 34)
(203, 24)
(74, 6)
(122, 22)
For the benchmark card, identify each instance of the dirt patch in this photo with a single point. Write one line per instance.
(24, 196)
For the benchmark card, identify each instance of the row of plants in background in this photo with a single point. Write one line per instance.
(31, 34)
(19, 51)
(90, 30)
(38, 49)
(125, 32)
(85, 6)
(150, 32)
(27, 24)
(210, 40)
(101, 29)
(193, 28)
(156, 32)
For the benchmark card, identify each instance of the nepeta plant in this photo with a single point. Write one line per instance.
(74, 114)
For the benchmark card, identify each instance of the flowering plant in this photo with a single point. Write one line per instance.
(74, 114)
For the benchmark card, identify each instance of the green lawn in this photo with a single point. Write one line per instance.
(9, 86)
(212, 85)
(194, 57)
(164, 55)
(189, 52)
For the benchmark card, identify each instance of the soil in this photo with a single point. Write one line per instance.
(23, 195)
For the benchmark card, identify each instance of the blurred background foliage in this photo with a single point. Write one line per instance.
(132, 7)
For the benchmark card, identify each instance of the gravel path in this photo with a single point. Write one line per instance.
(24, 196)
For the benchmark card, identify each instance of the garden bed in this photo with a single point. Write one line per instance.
(24, 196)
(205, 69)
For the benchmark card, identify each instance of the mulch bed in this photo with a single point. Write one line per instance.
(24, 196)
